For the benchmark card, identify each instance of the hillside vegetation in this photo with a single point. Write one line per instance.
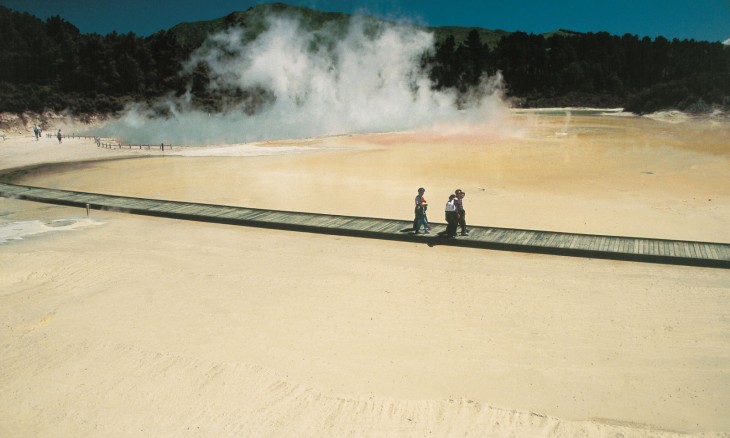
(51, 65)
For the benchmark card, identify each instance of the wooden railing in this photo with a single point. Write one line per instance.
(114, 144)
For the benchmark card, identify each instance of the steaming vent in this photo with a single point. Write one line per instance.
(292, 82)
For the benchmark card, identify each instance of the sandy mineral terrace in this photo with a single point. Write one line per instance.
(121, 325)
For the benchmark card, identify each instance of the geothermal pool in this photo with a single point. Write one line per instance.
(557, 170)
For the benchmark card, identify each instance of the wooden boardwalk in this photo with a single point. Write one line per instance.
(705, 254)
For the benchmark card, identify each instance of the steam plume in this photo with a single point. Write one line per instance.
(299, 83)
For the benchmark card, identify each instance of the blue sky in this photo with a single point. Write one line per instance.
(698, 19)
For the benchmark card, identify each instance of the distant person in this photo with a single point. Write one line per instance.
(37, 132)
(459, 202)
(59, 136)
(451, 217)
(420, 211)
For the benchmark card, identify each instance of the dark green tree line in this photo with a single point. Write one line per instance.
(52, 65)
(567, 68)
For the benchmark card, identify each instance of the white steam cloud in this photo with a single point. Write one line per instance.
(295, 83)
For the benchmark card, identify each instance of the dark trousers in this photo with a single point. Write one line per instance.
(451, 223)
(462, 221)
(418, 220)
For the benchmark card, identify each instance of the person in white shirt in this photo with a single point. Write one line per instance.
(452, 218)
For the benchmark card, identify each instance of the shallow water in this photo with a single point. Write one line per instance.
(19, 230)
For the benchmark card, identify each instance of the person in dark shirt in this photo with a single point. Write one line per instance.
(459, 202)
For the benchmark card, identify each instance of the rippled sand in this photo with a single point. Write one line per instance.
(152, 327)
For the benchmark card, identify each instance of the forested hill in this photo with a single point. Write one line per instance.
(51, 65)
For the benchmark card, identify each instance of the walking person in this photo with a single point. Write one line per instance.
(459, 202)
(451, 217)
(37, 132)
(420, 213)
(59, 136)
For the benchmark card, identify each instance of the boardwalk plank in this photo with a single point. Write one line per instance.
(474, 233)
(248, 215)
(695, 250)
(497, 236)
(521, 237)
(543, 239)
(567, 240)
(681, 249)
(704, 250)
(670, 248)
(534, 238)
(630, 246)
(166, 207)
(691, 249)
(624, 245)
(513, 237)
(591, 242)
(698, 250)
(653, 248)
(724, 252)
(688, 249)
(644, 246)
(618, 244)
(527, 237)
(711, 253)
(562, 239)
(551, 238)
(505, 236)
(490, 234)
(649, 246)
(612, 244)
(335, 222)
(676, 249)
(584, 242)
(574, 242)
(714, 253)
